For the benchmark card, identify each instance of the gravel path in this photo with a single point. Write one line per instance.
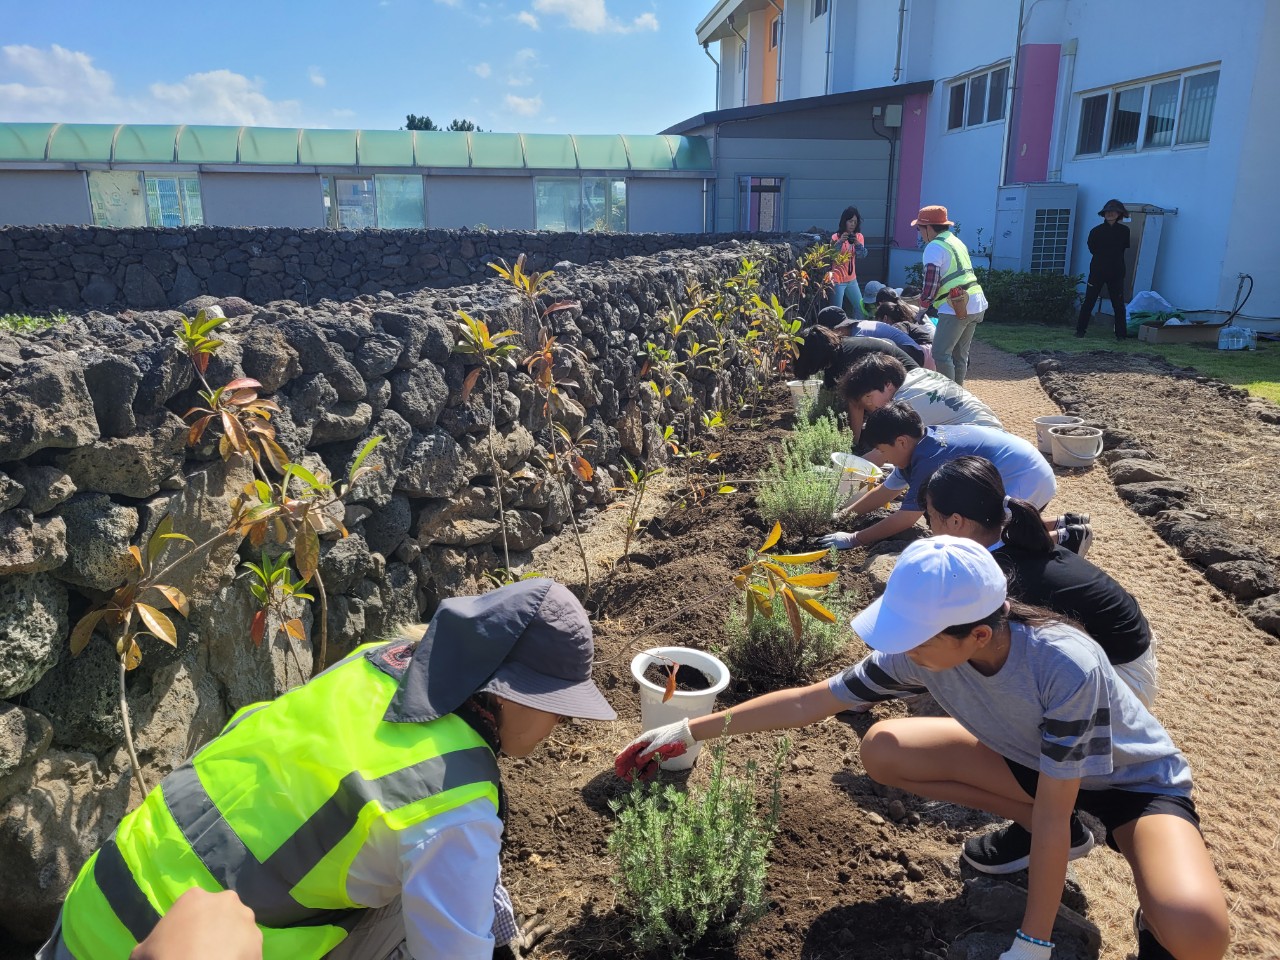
(1220, 684)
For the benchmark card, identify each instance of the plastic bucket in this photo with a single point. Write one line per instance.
(1075, 451)
(803, 391)
(857, 476)
(1042, 429)
(684, 704)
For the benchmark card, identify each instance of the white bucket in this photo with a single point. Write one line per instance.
(1079, 451)
(684, 704)
(1042, 429)
(857, 476)
(803, 391)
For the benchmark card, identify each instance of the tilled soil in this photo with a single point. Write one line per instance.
(859, 872)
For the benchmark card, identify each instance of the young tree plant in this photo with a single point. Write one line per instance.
(765, 581)
(640, 478)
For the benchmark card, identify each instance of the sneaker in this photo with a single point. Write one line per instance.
(1067, 519)
(1078, 539)
(1149, 948)
(1008, 849)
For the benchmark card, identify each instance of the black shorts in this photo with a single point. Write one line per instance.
(1115, 808)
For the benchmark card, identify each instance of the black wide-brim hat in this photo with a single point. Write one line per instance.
(1115, 205)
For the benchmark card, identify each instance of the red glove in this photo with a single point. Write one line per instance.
(640, 758)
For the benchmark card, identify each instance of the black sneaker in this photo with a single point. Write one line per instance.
(1008, 849)
(1078, 538)
(1067, 519)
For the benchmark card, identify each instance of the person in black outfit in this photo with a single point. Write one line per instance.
(824, 352)
(1107, 242)
(965, 498)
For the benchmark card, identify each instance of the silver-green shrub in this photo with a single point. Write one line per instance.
(691, 866)
(798, 488)
(766, 654)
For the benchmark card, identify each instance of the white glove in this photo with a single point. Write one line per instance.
(640, 757)
(1025, 950)
(839, 540)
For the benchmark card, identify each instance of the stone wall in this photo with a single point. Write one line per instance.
(93, 455)
(48, 268)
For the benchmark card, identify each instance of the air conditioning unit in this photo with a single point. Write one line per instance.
(1035, 224)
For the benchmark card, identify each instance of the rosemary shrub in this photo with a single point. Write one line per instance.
(691, 865)
(792, 492)
(766, 655)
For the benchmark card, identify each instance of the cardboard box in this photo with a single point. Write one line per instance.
(1189, 333)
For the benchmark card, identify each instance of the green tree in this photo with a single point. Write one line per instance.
(463, 126)
(415, 122)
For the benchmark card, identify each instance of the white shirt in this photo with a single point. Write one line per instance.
(940, 257)
(939, 399)
(444, 870)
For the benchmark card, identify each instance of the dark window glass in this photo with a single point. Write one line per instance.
(1093, 118)
(1126, 116)
(1161, 107)
(977, 100)
(955, 107)
(996, 93)
(1198, 95)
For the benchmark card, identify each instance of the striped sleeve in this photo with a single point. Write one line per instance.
(878, 677)
(1075, 735)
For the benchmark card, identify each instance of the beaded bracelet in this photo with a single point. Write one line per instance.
(1039, 943)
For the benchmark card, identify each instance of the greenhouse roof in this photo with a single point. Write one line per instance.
(198, 144)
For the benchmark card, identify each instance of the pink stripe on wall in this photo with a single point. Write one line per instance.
(915, 115)
(1035, 97)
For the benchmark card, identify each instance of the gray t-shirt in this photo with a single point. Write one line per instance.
(939, 399)
(1055, 706)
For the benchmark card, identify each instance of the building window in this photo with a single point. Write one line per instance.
(760, 204)
(388, 202)
(977, 99)
(775, 33)
(1152, 115)
(173, 201)
(820, 8)
(399, 201)
(126, 198)
(577, 205)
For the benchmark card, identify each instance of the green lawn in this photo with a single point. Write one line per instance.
(1257, 371)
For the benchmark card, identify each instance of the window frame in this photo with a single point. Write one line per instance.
(612, 201)
(775, 32)
(742, 199)
(820, 9)
(1146, 85)
(964, 85)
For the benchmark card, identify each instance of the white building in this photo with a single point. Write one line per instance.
(1161, 103)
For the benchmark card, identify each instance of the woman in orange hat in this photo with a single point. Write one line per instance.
(951, 287)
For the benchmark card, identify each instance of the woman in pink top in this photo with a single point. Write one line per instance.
(844, 276)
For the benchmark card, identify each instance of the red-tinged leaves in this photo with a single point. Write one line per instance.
(258, 534)
(84, 630)
(158, 624)
(242, 383)
(307, 552)
(197, 430)
(258, 628)
(793, 614)
(201, 362)
(469, 383)
(274, 453)
(583, 469)
(235, 432)
(294, 629)
(671, 683)
(774, 536)
(176, 597)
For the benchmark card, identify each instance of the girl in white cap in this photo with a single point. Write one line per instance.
(1038, 726)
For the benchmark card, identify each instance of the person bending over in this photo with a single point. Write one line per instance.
(825, 353)
(1038, 726)
(895, 436)
(833, 318)
(878, 379)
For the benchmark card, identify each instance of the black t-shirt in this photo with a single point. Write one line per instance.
(853, 349)
(1107, 243)
(1071, 585)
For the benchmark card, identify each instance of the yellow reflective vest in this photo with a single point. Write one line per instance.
(276, 807)
(959, 269)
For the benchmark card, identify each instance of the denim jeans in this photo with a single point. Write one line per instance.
(848, 290)
(951, 343)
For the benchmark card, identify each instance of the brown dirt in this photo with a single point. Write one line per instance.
(846, 880)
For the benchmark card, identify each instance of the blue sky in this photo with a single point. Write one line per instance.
(554, 66)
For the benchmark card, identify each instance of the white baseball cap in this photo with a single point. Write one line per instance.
(937, 583)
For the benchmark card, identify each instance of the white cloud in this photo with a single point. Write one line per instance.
(524, 106)
(518, 75)
(56, 84)
(528, 19)
(481, 70)
(316, 77)
(592, 16)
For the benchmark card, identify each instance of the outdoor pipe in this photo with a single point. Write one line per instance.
(782, 32)
(1012, 95)
(707, 51)
(744, 65)
(826, 83)
(1066, 78)
(902, 17)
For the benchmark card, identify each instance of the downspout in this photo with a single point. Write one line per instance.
(1007, 142)
(902, 19)
(782, 33)
(706, 49)
(1066, 74)
(890, 193)
(744, 67)
(826, 87)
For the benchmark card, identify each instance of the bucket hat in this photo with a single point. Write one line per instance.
(833, 317)
(1115, 205)
(937, 583)
(933, 216)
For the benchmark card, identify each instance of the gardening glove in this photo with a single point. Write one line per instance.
(839, 540)
(529, 934)
(641, 756)
(1026, 950)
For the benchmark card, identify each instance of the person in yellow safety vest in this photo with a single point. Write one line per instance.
(359, 815)
(951, 286)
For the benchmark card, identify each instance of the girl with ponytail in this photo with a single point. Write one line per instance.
(965, 498)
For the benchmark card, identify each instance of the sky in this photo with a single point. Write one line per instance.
(530, 66)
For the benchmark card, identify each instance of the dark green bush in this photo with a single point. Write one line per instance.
(1016, 297)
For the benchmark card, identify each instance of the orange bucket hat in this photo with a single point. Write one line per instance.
(932, 217)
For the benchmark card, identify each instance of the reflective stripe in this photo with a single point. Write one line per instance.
(127, 901)
(267, 886)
